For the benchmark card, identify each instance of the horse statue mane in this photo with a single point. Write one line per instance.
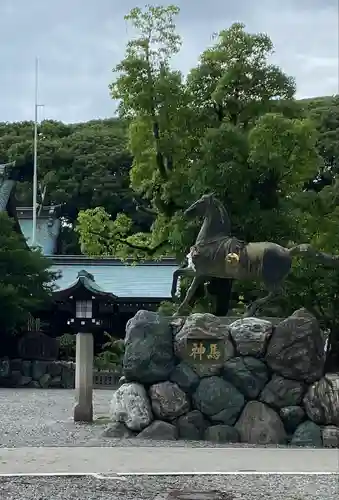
(231, 243)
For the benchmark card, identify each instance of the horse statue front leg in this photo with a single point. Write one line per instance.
(176, 275)
(197, 280)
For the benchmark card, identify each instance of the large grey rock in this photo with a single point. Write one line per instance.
(185, 377)
(45, 380)
(219, 400)
(307, 434)
(26, 368)
(131, 406)
(4, 368)
(221, 434)
(260, 424)
(296, 349)
(292, 416)
(209, 327)
(117, 430)
(16, 365)
(280, 392)
(16, 378)
(56, 383)
(192, 425)
(54, 369)
(322, 400)
(249, 375)
(149, 356)
(330, 436)
(39, 369)
(251, 335)
(122, 380)
(34, 384)
(25, 380)
(162, 431)
(168, 400)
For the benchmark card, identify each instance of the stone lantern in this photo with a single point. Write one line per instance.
(84, 296)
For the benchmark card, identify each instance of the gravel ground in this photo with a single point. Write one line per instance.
(41, 417)
(234, 488)
(45, 418)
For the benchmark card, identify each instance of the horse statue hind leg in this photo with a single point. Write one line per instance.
(276, 265)
(272, 263)
(255, 306)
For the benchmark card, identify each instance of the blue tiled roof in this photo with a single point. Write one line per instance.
(147, 280)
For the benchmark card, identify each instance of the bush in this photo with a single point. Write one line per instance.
(67, 344)
(112, 356)
(25, 280)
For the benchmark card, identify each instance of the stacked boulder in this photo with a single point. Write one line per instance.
(266, 386)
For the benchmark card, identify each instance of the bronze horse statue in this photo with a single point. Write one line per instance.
(216, 254)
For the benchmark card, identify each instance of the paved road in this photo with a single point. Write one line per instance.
(166, 460)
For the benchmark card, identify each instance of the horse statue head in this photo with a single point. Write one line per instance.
(217, 220)
(200, 207)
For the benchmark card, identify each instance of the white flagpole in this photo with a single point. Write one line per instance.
(35, 158)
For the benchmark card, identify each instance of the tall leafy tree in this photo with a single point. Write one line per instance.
(151, 97)
(214, 130)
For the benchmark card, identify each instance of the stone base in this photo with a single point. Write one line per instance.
(36, 374)
(248, 382)
(83, 413)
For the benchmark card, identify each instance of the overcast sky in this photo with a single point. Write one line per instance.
(79, 41)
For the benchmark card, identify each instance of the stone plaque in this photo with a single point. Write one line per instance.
(205, 350)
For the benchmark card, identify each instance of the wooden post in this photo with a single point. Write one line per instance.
(83, 411)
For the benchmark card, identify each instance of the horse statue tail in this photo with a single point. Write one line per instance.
(308, 251)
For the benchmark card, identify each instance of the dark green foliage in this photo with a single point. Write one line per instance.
(112, 354)
(67, 346)
(83, 165)
(25, 281)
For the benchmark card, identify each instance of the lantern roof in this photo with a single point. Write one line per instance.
(84, 282)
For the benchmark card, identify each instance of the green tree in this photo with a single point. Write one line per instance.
(311, 285)
(213, 131)
(324, 111)
(82, 165)
(25, 280)
(152, 97)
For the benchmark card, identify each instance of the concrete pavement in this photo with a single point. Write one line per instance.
(114, 460)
